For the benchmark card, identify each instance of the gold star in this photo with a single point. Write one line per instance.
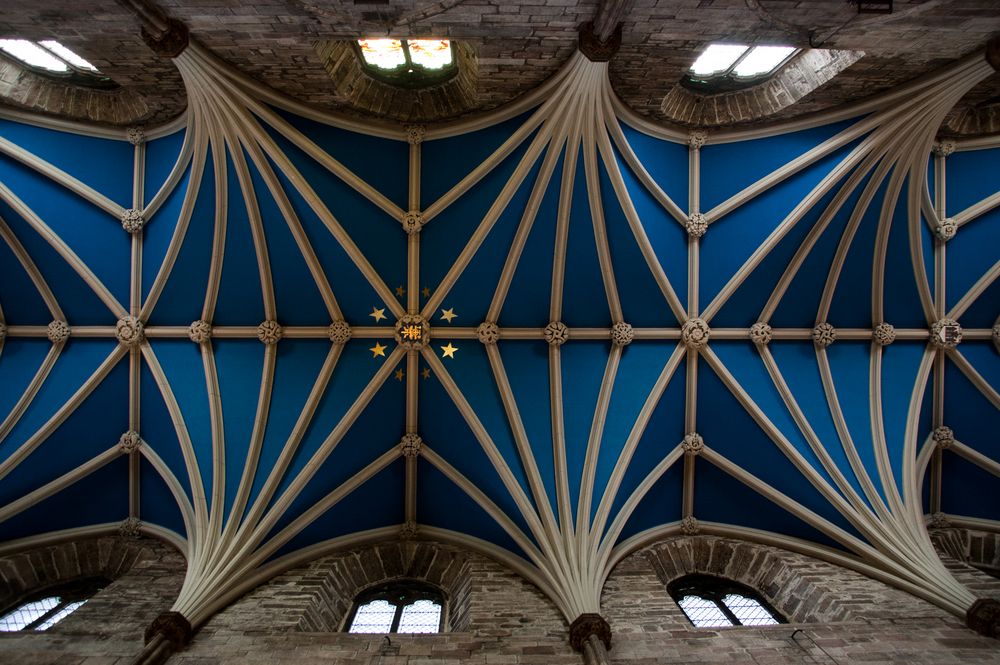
(426, 292)
(448, 314)
(378, 350)
(426, 373)
(400, 374)
(449, 351)
(400, 291)
(377, 314)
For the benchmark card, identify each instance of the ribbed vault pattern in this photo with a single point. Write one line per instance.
(604, 332)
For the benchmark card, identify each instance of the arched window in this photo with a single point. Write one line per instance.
(713, 602)
(41, 611)
(400, 607)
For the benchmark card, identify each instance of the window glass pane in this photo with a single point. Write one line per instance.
(374, 617)
(762, 60)
(384, 53)
(67, 55)
(33, 55)
(430, 53)
(703, 613)
(60, 615)
(717, 58)
(422, 616)
(25, 614)
(748, 611)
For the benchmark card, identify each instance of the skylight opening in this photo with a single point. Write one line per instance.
(67, 55)
(717, 58)
(408, 63)
(32, 54)
(51, 58)
(762, 60)
(731, 66)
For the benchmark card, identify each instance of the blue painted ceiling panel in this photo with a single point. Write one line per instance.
(970, 178)
(20, 360)
(584, 298)
(20, 300)
(103, 164)
(665, 161)
(967, 489)
(970, 255)
(158, 232)
(158, 429)
(583, 364)
(661, 504)
(444, 162)
(157, 504)
(388, 173)
(161, 158)
(77, 362)
(99, 498)
(851, 305)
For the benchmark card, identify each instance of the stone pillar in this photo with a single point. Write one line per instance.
(590, 634)
(984, 617)
(170, 632)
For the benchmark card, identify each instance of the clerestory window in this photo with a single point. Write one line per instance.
(408, 63)
(44, 610)
(723, 67)
(713, 602)
(402, 607)
(50, 58)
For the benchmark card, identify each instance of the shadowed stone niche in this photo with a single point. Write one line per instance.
(364, 93)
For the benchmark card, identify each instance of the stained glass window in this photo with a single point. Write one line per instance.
(54, 59)
(410, 63)
(401, 607)
(713, 602)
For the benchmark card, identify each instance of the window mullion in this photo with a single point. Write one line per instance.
(48, 615)
(406, 54)
(396, 618)
(728, 612)
(738, 61)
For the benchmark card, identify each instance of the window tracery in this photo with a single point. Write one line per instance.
(400, 607)
(43, 610)
(50, 58)
(714, 602)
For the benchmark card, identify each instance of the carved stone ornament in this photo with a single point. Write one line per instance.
(488, 332)
(200, 331)
(947, 229)
(586, 625)
(760, 333)
(556, 333)
(410, 444)
(415, 134)
(946, 333)
(58, 331)
(130, 331)
(689, 526)
(984, 617)
(696, 225)
(697, 139)
(174, 627)
(3, 330)
(943, 437)
(132, 220)
(596, 49)
(409, 530)
(412, 332)
(944, 148)
(939, 521)
(129, 441)
(884, 334)
(339, 332)
(695, 333)
(621, 334)
(412, 222)
(269, 332)
(130, 527)
(693, 443)
(824, 334)
(168, 43)
(135, 135)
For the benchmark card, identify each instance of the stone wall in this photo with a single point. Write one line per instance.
(496, 617)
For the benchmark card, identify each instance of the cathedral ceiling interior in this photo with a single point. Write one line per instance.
(248, 317)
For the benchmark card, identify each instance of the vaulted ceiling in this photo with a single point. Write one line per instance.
(551, 333)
